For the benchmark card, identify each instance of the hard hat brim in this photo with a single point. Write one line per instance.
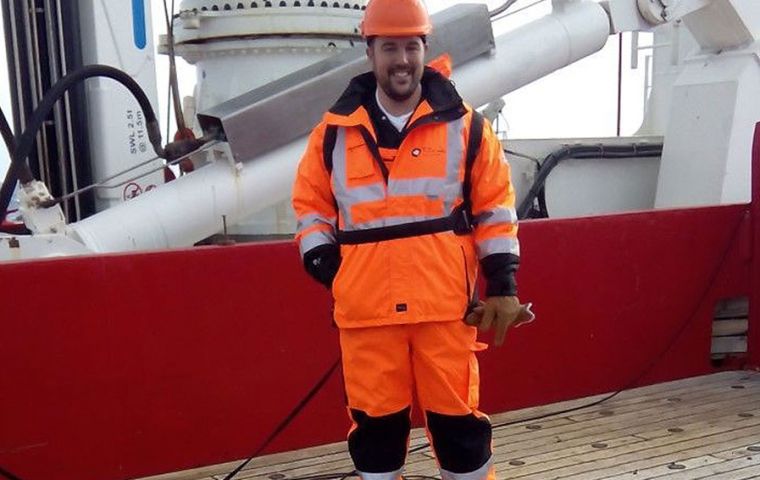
(398, 32)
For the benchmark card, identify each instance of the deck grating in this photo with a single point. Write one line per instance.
(699, 428)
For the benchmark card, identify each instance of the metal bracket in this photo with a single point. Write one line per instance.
(221, 152)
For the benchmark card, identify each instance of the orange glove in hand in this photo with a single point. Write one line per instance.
(502, 313)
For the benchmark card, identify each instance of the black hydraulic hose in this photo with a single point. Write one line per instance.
(581, 152)
(26, 139)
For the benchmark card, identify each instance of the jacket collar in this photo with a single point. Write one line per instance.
(438, 96)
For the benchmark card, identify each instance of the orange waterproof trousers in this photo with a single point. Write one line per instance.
(384, 367)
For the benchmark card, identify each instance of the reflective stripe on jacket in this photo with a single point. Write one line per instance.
(407, 280)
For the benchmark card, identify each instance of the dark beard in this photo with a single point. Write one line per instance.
(399, 97)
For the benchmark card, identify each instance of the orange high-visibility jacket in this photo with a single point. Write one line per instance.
(346, 183)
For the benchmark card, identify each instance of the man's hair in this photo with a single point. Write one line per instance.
(371, 40)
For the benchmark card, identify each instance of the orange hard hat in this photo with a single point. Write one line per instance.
(395, 18)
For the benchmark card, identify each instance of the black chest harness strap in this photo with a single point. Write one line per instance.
(460, 220)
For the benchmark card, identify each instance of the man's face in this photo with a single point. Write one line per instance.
(398, 63)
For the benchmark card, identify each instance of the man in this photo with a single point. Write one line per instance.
(387, 193)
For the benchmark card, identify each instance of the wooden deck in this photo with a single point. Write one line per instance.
(699, 428)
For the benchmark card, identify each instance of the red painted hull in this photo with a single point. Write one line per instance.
(122, 366)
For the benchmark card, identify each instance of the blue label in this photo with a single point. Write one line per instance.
(138, 23)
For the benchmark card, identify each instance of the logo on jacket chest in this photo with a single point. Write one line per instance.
(432, 152)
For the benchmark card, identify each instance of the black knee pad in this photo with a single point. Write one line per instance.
(378, 444)
(462, 443)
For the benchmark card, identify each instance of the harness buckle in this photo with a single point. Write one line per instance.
(462, 221)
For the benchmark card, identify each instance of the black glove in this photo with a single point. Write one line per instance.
(322, 263)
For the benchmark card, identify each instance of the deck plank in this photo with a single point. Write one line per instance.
(697, 428)
(713, 469)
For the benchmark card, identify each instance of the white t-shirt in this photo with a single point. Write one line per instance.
(398, 122)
